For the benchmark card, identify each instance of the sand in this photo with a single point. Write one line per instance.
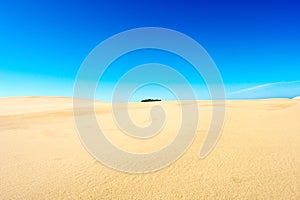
(256, 157)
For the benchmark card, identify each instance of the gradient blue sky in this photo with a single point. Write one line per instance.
(255, 44)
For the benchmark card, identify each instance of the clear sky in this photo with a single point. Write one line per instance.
(255, 44)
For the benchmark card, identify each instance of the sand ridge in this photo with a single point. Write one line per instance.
(257, 156)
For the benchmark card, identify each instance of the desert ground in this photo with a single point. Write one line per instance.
(256, 157)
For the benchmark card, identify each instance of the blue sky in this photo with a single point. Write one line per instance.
(255, 44)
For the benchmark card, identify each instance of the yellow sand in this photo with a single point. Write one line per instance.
(257, 156)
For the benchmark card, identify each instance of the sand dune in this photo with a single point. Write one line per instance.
(257, 156)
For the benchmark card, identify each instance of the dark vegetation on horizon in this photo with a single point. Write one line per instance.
(149, 100)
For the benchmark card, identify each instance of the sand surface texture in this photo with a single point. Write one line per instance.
(256, 157)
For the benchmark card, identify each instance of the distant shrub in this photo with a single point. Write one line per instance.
(149, 100)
